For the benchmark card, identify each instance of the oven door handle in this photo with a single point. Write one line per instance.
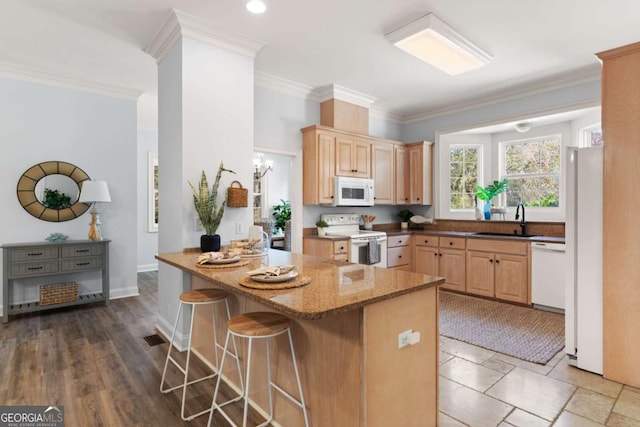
(365, 241)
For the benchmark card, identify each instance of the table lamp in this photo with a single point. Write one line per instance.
(94, 192)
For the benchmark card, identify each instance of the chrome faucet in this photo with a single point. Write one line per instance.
(522, 222)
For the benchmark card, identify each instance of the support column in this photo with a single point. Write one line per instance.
(205, 116)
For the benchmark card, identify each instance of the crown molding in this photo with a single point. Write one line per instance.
(67, 81)
(582, 75)
(179, 24)
(334, 91)
(279, 84)
(384, 114)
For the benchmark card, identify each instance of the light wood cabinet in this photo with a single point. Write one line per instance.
(499, 269)
(399, 251)
(383, 173)
(401, 175)
(414, 173)
(353, 157)
(420, 159)
(318, 148)
(444, 256)
(620, 263)
(327, 248)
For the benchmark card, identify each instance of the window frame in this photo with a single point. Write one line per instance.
(542, 211)
(480, 175)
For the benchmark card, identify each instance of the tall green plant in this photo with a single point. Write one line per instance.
(205, 201)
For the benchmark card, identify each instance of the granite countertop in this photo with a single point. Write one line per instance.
(336, 286)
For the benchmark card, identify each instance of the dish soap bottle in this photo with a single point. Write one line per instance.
(478, 211)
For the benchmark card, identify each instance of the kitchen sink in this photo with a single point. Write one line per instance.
(489, 233)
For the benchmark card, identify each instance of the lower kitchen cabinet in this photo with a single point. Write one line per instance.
(444, 256)
(399, 252)
(497, 274)
(327, 248)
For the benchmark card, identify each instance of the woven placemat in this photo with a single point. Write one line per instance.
(248, 282)
(240, 263)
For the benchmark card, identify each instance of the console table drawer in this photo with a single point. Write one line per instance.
(81, 263)
(33, 268)
(31, 254)
(81, 250)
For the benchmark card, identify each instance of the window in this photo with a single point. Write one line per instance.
(592, 137)
(153, 192)
(463, 175)
(532, 167)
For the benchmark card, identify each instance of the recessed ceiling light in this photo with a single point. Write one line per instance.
(434, 42)
(523, 127)
(256, 6)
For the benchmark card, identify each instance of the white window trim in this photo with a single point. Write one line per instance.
(480, 148)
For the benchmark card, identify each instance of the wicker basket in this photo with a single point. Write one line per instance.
(58, 293)
(237, 197)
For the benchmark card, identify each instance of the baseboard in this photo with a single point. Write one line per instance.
(147, 267)
(123, 292)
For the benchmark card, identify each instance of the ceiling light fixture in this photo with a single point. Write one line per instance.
(256, 6)
(433, 41)
(523, 127)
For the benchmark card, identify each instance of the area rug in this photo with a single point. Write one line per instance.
(522, 332)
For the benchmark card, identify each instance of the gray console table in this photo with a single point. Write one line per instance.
(43, 259)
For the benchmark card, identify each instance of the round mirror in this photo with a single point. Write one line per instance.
(50, 191)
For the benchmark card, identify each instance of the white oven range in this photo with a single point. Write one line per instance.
(365, 246)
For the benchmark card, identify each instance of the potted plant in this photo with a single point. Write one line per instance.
(321, 227)
(488, 192)
(282, 214)
(405, 215)
(205, 200)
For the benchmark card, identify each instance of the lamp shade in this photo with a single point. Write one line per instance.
(94, 191)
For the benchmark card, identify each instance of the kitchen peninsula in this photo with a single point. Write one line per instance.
(345, 329)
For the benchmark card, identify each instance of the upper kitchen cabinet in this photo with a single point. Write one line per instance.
(401, 174)
(318, 152)
(382, 172)
(414, 173)
(353, 157)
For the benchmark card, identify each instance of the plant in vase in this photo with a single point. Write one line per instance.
(405, 215)
(282, 214)
(205, 200)
(321, 227)
(487, 193)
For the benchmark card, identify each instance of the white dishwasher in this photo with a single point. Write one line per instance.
(548, 275)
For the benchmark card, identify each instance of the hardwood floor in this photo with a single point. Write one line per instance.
(94, 361)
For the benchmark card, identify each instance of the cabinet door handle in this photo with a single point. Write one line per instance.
(435, 254)
(341, 248)
(78, 251)
(35, 268)
(82, 263)
(450, 243)
(497, 261)
(35, 254)
(417, 198)
(439, 254)
(491, 260)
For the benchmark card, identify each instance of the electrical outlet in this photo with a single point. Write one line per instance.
(197, 225)
(404, 338)
(238, 228)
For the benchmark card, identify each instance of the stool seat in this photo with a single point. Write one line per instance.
(258, 324)
(198, 296)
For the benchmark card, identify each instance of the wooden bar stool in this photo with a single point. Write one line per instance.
(252, 326)
(195, 298)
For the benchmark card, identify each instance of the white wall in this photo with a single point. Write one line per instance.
(147, 240)
(96, 133)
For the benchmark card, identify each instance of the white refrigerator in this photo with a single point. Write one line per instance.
(583, 279)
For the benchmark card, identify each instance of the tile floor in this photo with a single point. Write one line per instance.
(479, 387)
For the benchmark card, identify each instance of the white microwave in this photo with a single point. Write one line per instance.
(350, 191)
